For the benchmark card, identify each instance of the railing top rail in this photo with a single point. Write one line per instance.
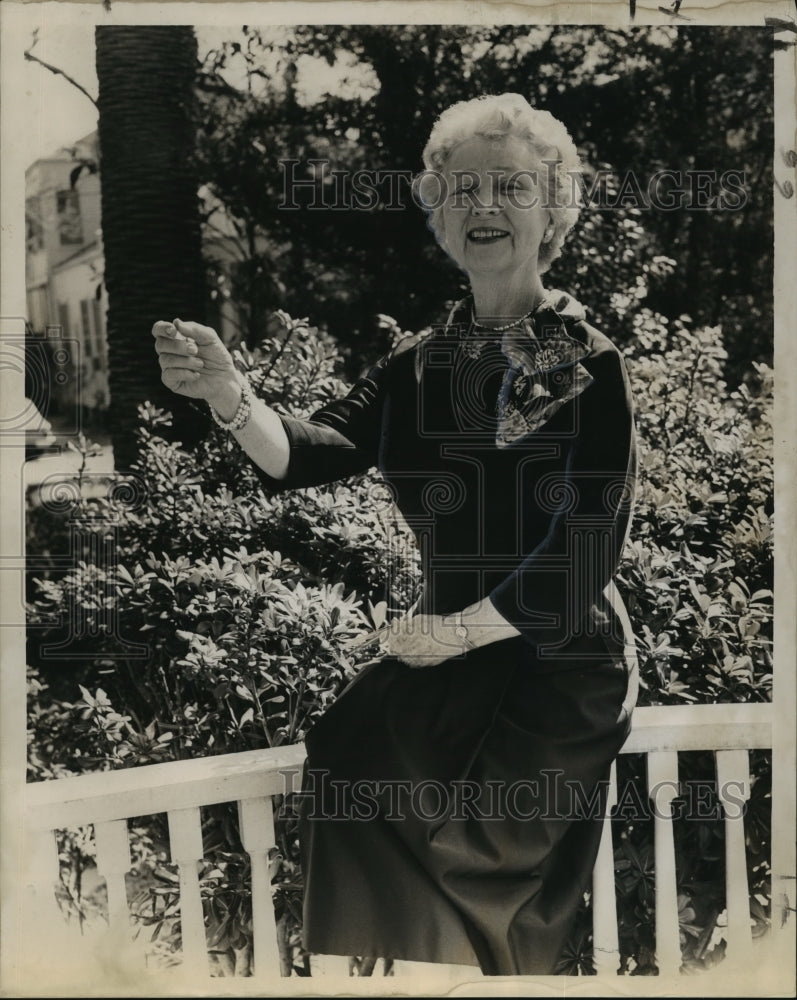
(157, 788)
(700, 727)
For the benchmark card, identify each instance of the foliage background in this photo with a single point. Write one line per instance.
(245, 600)
(636, 101)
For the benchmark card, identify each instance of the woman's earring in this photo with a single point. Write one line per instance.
(547, 234)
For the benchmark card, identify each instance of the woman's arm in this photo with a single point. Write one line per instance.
(263, 437)
(195, 363)
(549, 595)
(485, 624)
(340, 439)
(426, 640)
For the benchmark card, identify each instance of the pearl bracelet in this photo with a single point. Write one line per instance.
(242, 414)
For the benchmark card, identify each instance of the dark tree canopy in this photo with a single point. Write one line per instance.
(636, 100)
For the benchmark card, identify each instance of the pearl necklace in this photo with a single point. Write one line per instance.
(501, 329)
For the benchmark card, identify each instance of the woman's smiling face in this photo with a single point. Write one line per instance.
(494, 216)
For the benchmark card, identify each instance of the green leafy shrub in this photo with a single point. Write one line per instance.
(242, 605)
(698, 571)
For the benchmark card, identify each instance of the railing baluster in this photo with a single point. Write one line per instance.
(48, 943)
(185, 839)
(605, 939)
(733, 789)
(663, 788)
(113, 862)
(256, 820)
(43, 873)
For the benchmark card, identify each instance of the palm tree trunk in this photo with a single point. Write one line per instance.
(150, 217)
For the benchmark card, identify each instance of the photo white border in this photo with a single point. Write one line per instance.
(775, 975)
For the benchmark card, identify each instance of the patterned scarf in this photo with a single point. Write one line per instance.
(544, 363)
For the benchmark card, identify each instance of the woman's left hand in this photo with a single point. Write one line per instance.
(422, 640)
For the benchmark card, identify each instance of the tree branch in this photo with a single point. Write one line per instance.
(59, 72)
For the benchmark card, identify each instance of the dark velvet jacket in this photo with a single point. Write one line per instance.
(538, 527)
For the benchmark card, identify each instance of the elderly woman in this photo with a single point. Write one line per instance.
(454, 792)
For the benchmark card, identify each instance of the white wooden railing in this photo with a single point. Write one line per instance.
(107, 800)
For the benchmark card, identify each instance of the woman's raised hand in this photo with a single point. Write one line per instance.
(194, 361)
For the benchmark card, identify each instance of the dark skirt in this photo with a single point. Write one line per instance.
(452, 814)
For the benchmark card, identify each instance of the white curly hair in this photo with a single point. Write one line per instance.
(494, 116)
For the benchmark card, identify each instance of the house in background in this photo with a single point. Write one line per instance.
(66, 296)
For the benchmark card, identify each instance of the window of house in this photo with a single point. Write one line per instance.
(85, 324)
(37, 308)
(34, 230)
(68, 210)
(91, 337)
(99, 326)
(63, 318)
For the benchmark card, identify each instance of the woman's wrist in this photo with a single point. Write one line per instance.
(479, 624)
(462, 632)
(228, 398)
